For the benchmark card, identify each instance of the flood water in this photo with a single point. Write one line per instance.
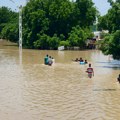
(30, 90)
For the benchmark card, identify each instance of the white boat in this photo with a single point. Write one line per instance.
(61, 48)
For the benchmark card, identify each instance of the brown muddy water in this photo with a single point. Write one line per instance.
(30, 90)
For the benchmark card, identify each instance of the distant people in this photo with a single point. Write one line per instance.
(90, 71)
(86, 62)
(50, 61)
(53, 60)
(118, 78)
(46, 60)
(81, 60)
(76, 60)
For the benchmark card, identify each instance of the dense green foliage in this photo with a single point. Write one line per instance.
(47, 42)
(77, 36)
(111, 45)
(8, 24)
(48, 24)
(111, 22)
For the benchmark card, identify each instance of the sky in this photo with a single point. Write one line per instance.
(101, 5)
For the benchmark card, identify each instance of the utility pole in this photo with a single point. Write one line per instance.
(20, 24)
(20, 34)
(20, 27)
(20, 31)
(96, 23)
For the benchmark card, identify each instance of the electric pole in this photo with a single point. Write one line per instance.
(20, 27)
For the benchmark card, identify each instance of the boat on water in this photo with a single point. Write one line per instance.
(61, 48)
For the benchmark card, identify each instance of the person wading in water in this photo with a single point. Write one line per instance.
(90, 71)
(118, 79)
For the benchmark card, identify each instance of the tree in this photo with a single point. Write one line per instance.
(78, 36)
(103, 23)
(8, 24)
(111, 45)
(111, 20)
(42, 42)
(86, 12)
(60, 12)
(34, 22)
(4, 14)
(46, 42)
(54, 18)
(64, 43)
(54, 42)
(10, 32)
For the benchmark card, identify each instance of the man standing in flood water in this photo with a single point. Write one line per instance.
(46, 60)
(118, 78)
(90, 71)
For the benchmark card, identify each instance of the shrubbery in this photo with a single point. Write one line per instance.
(111, 45)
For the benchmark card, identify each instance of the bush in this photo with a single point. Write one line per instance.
(78, 36)
(42, 42)
(111, 45)
(54, 42)
(10, 32)
(64, 43)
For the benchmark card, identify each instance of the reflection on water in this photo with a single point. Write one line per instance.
(104, 89)
(114, 64)
(61, 92)
(20, 56)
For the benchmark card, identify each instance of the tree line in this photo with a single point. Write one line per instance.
(8, 24)
(48, 24)
(111, 21)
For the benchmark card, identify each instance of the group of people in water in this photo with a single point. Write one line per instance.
(81, 61)
(89, 70)
(48, 60)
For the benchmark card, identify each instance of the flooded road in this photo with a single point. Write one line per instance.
(30, 90)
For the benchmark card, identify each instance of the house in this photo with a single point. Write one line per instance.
(90, 43)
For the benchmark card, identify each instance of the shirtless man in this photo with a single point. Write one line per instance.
(118, 78)
(90, 71)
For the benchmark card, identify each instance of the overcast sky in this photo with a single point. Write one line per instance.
(102, 5)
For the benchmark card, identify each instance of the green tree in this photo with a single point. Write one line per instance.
(8, 24)
(78, 36)
(10, 32)
(64, 43)
(42, 42)
(85, 12)
(50, 17)
(34, 22)
(47, 42)
(4, 14)
(111, 45)
(54, 42)
(103, 23)
(111, 20)
(60, 12)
